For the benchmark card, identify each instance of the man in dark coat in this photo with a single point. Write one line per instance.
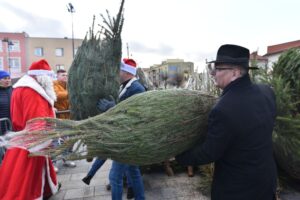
(239, 138)
(129, 86)
(5, 95)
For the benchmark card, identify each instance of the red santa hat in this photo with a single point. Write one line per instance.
(129, 65)
(40, 67)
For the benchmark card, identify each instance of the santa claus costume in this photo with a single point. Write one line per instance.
(23, 177)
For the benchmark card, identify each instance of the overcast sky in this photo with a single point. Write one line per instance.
(157, 30)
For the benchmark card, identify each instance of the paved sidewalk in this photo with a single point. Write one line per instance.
(158, 186)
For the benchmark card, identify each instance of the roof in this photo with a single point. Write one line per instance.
(278, 48)
(255, 56)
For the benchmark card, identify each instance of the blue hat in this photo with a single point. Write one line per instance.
(3, 74)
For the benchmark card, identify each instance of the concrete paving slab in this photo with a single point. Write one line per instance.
(158, 186)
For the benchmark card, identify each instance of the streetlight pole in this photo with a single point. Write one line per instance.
(9, 43)
(127, 50)
(71, 10)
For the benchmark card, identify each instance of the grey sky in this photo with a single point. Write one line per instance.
(157, 30)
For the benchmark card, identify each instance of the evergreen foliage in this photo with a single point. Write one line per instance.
(146, 128)
(288, 69)
(286, 137)
(94, 73)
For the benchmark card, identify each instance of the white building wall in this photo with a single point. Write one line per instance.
(272, 59)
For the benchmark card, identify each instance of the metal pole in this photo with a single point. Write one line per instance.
(73, 37)
(127, 50)
(72, 10)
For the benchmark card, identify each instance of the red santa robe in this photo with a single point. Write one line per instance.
(23, 177)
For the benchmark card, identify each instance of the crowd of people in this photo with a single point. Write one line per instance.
(238, 140)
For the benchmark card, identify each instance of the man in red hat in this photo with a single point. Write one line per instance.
(129, 86)
(32, 177)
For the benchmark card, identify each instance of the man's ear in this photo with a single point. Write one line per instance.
(236, 72)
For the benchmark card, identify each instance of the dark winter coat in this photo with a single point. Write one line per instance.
(239, 141)
(5, 95)
(135, 88)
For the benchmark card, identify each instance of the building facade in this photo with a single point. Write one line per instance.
(171, 72)
(19, 50)
(13, 53)
(274, 51)
(57, 51)
(258, 61)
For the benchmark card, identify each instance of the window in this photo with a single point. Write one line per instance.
(59, 52)
(1, 46)
(15, 64)
(39, 51)
(1, 63)
(75, 51)
(15, 46)
(58, 67)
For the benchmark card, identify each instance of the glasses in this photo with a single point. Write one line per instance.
(213, 69)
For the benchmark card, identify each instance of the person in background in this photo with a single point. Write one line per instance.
(62, 103)
(129, 86)
(239, 137)
(5, 95)
(32, 177)
(60, 88)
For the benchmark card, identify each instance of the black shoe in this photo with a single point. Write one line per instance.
(108, 187)
(130, 193)
(124, 181)
(59, 186)
(87, 179)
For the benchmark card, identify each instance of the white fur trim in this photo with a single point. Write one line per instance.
(42, 186)
(53, 187)
(128, 68)
(39, 72)
(28, 81)
(123, 90)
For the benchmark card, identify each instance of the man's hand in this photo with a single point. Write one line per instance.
(103, 104)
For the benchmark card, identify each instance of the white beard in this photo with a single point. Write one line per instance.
(47, 84)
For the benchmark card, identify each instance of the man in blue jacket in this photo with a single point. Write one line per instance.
(239, 138)
(129, 87)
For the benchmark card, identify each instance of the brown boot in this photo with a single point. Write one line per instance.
(190, 171)
(168, 168)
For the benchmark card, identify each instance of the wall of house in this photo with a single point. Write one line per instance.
(57, 51)
(13, 57)
(25, 50)
(169, 71)
(272, 59)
